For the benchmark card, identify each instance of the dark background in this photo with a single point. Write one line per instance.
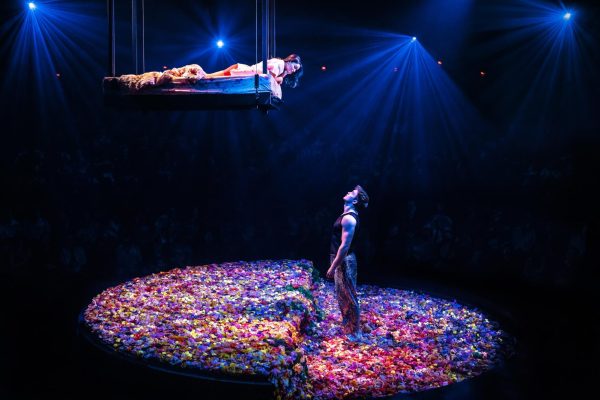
(93, 196)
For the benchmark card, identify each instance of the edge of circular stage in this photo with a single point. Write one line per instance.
(99, 348)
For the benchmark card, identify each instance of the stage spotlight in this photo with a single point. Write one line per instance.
(414, 39)
(31, 5)
(220, 44)
(567, 16)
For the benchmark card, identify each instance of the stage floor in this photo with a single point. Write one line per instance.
(555, 354)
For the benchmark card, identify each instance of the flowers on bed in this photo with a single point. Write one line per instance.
(187, 74)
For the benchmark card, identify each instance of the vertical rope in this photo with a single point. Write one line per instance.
(265, 34)
(274, 29)
(256, 51)
(134, 41)
(143, 39)
(110, 5)
(256, 32)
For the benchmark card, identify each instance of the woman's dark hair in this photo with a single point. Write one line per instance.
(293, 80)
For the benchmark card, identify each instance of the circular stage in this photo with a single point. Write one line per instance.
(277, 324)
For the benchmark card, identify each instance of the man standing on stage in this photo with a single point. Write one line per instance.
(343, 260)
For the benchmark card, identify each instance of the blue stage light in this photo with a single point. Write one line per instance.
(220, 44)
(31, 5)
(567, 16)
(414, 39)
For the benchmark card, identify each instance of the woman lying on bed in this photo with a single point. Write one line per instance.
(286, 71)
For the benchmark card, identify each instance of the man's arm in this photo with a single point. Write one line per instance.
(348, 226)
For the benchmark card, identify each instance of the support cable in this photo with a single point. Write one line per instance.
(143, 38)
(134, 36)
(110, 5)
(256, 51)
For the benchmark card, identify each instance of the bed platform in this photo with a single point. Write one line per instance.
(228, 93)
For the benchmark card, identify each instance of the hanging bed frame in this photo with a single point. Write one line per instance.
(258, 91)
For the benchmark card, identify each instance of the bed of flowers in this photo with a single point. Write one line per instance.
(233, 318)
(273, 319)
(410, 342)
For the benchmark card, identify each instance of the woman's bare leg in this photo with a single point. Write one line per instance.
(224, 72)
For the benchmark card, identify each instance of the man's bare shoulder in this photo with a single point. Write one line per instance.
(348, 221)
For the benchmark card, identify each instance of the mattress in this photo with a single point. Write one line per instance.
(238, 85)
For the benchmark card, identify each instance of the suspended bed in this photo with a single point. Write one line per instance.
(254, 91)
